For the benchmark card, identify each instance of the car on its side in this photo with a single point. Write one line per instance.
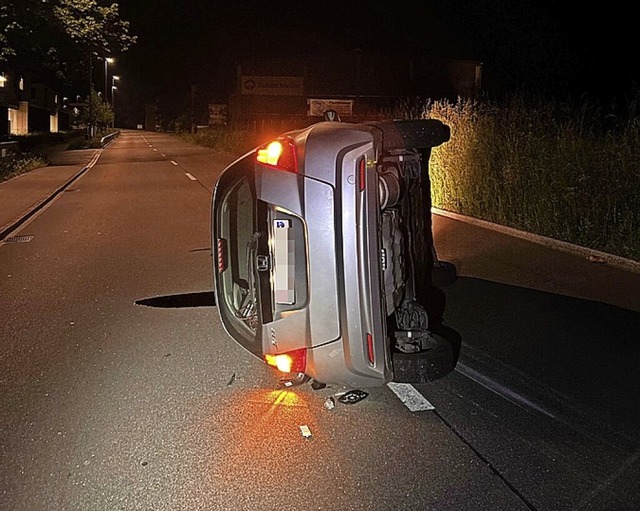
(324, 260)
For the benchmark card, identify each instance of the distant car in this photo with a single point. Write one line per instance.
(324, 262)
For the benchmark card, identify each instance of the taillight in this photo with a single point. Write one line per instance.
(279, 154)
(289, 362)
(222, 255)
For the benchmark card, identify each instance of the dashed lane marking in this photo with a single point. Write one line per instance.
(174, 163)
(411, 398)
(190, 176)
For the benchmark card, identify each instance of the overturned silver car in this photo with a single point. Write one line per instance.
(324, 262)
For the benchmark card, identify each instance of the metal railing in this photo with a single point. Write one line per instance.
(108, 138)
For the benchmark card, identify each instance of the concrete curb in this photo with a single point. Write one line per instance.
(590, 254)
(12, 226)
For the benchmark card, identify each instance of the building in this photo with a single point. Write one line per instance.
(28, 105)
(357, 85)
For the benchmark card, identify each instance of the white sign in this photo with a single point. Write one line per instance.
(272, 85)
(217, 114)
(317, 107)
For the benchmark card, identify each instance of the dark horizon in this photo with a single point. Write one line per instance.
(536, 46)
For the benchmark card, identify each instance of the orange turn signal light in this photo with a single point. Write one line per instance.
(279, 154)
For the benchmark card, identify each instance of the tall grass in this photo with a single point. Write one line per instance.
(571, 173)
(566, 171)
(231, 141)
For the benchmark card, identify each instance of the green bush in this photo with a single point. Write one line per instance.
(30, 142)
(34, 147)
(17, 164)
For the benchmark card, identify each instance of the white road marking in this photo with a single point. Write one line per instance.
(190, 176)
(174, 163)
(154, 149)
(411, 398)
(163, 155)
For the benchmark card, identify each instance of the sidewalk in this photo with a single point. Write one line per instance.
(23, 195)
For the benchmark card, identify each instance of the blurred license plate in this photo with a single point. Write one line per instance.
(284, 274)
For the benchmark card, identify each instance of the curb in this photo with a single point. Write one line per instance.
(12, 226)
(592, 255)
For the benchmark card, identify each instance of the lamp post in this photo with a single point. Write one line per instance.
(107, 61)
(114, 79)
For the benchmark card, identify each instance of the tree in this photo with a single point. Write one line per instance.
(95, 112)
(60, 35)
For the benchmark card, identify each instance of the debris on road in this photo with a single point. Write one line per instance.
(232, 379)
(316, 385)
(306, 432)
(352, 397)
(330, 403)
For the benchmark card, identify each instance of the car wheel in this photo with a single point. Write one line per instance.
(431, 364)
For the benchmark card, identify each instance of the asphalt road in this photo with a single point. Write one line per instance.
(120, 390)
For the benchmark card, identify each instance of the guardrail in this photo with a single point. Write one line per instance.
(108, 138)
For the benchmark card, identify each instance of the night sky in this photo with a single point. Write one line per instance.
(532, 44)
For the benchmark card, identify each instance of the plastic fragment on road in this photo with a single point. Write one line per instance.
(352, 397)
(330, 403)
(411, 398)
(306, 432)
(317, 385)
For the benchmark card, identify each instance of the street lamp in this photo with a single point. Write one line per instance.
(107, 61)
(113, 103)
(114, 79)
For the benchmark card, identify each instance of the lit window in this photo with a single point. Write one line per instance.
(21, 83)
(3, 80)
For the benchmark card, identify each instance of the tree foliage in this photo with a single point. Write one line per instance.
(59, 34)
(96, 112)
(94, 26)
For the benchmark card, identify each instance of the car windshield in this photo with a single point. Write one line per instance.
(237, 292)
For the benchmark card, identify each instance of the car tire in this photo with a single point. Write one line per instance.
(432, 364)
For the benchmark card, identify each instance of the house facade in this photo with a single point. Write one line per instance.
(28, 105)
